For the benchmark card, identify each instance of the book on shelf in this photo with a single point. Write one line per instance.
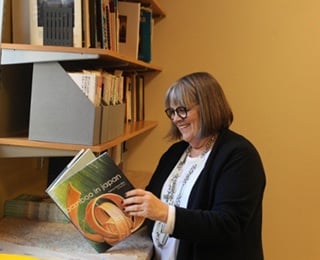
(90, 191)
(140, 97)
(86, 24)
(5, 21)
(114, 25)
(108, 87)
(34, 207)
(92, 13)
(134, 97)
(129, 23)
(119, 88)
(105, 10)
(36, 19)
(99, 24)
(128, 98)
(90, 82)
(20, 21)
(97, 74)
(145, 34)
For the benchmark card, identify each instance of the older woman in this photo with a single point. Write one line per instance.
(204, 200)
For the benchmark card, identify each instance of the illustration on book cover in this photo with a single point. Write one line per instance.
(90, 193)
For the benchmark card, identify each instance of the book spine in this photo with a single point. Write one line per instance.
(145, 34)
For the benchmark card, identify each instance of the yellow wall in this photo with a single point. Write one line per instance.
(266, 55)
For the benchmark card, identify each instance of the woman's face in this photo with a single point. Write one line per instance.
(190, 126)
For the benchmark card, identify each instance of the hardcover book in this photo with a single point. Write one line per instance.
(90, 191)
(129, 23)
(36, 19)
(146, 24)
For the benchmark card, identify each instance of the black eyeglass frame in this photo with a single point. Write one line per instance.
(170, 112)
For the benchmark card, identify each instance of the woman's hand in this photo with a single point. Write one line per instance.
(143, 203)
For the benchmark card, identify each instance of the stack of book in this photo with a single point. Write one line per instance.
(34, 207)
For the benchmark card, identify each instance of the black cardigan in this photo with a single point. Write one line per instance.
(224, 215)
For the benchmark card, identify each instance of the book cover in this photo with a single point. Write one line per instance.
(129, 22)
(92, 199)
(36, 19)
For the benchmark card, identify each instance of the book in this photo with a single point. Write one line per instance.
(91, 197)
(90, 82)
(99, 26)
(128, 98)
(36, 19)
(134, 97)
(35, 207)
(106, 23)
(145, 36)
(85, 24)
(6, 27)
(92, 24)
(140, 97)
(129, 23)
(99, 85)
(108, 87)
(114, 24)
(20, 22)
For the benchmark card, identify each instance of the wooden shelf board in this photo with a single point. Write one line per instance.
(103, 55)
(131, 130)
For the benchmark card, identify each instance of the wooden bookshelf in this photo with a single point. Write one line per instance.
(23, 147)
(75, 58)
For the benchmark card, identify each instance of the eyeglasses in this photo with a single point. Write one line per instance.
(182, 112)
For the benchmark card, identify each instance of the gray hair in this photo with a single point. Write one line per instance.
(200, 88)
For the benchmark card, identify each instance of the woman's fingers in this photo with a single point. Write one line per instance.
(142, 203)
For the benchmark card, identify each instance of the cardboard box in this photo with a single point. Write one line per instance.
(112, 124)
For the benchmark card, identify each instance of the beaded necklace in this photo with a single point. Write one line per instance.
(161, 236)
